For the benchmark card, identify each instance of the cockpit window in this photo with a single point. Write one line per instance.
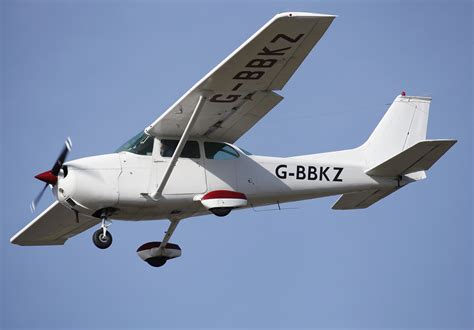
(140, 144)
(219, 151)
(190, 150)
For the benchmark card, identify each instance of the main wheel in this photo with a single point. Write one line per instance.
(157, 261)
(221, 211)
(101, 241)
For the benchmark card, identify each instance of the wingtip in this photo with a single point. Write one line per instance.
(304, 14)
(13, 239)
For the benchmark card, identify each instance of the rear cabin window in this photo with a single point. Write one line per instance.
(140, 144)
(219, 151)
(190, 150)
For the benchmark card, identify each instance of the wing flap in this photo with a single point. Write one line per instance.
(419, 157)
(361, 200)
(248, 115)
(54, 226)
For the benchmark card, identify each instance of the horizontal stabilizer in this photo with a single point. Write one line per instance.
(362, 200)
(419, 157)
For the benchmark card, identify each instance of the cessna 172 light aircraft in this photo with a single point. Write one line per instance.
(185, 163)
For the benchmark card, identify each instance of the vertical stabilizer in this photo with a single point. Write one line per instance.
(402, 126)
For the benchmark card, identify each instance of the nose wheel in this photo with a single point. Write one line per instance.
(102, 238)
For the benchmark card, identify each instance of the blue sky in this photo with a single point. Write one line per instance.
(100, 71)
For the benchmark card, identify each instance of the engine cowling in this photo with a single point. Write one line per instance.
(156, 256)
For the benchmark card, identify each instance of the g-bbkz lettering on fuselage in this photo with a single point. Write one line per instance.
(300, 172)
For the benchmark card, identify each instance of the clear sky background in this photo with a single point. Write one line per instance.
(100, 71)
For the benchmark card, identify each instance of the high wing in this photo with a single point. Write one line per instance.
(240, 90)
(53, 227)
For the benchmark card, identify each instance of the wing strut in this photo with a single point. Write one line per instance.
(184, 138)
(168, 233)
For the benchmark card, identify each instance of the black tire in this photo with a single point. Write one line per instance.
(100, 241)
(157, 261)
(221, 211)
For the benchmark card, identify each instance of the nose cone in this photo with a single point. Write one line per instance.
(47, 177)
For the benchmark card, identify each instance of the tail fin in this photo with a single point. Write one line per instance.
(402, 126)
(397, 148)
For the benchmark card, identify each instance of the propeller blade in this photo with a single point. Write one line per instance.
(62, 157)
(37, 199)
(51, 177)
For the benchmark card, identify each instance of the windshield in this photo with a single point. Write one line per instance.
(248, 153)
(140, 144)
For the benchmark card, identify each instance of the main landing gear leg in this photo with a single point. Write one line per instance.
(102, 238)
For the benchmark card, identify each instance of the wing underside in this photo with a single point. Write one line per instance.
(240, 90)
(362, 199)
(53, 227)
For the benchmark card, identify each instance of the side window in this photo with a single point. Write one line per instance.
(190, 150)
(219, 151)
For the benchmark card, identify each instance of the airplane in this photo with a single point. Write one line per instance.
(185, 163)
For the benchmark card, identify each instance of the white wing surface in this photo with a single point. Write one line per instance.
(239, 90)
(362, 199)
(419, 157)
(53, 227)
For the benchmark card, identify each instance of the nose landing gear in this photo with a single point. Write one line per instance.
(102, 238)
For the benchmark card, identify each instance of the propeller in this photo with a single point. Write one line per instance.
(51, 177)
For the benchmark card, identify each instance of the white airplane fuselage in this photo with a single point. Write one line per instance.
(122, 181)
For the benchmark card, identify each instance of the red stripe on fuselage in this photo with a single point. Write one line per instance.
(224, 194)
